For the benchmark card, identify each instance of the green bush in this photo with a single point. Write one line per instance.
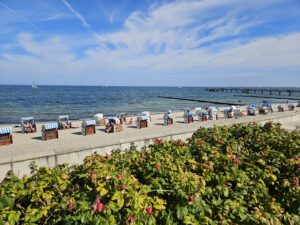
(244, 174)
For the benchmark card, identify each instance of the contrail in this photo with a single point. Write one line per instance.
(21, 17)
(77, 14)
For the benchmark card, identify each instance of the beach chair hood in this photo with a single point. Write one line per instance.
(141, 118)
(63, 118)
(88, 123)
(27, 119)
(5, 130)
(114, 119)
(50, 126)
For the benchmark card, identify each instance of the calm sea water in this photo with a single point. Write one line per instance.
(47, 102)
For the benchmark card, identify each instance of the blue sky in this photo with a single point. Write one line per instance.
(157, 42)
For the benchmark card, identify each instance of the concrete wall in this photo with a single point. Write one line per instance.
(21, 167)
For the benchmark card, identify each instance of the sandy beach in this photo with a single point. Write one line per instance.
(29, 147)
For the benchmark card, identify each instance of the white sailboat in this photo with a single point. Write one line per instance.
(34, 85)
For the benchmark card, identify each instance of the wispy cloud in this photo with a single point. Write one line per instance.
(77, 14)
(53, 17)
(21, 17)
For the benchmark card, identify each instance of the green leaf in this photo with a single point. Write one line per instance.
(226, 192)
(181, 212)
(6, 202)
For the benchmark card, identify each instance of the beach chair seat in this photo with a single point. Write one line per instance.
(88, 127)
(50, 131)
(6, 136)
(64, 122)
(28, 125)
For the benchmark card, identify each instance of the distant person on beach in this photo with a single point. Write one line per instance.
(130, 122)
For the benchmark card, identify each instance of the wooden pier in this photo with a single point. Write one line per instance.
(270, 91)
(203, 101)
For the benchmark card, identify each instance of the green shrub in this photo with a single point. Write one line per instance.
(244, 174)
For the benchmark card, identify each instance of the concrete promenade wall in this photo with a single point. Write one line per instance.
(21, 167)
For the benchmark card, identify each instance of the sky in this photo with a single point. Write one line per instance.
(150, 42)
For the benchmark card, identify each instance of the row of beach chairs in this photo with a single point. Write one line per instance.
(115, 124)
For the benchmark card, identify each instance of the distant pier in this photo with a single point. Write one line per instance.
(270, 91)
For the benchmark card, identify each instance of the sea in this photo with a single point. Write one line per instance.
(46, 103)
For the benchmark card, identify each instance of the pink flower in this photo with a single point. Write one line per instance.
(131, 219)
(93, 176)
(149, 211)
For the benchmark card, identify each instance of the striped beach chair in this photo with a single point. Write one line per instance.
(6, 136)
(50, 131)
(88, 127)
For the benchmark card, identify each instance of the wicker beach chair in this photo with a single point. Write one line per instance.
(99, 119)
(229, 112)
(146, 113)
(6, 136)
(265, 107)
(114, 125)
(64, 122)
(198, 111)
(188, 116)
(142, 121)
(50, 131)
(88, 127)
(168, 118)
(213, 113)
(28, 125)
(251, 110)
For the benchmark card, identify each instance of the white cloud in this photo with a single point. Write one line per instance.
(180, 39)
